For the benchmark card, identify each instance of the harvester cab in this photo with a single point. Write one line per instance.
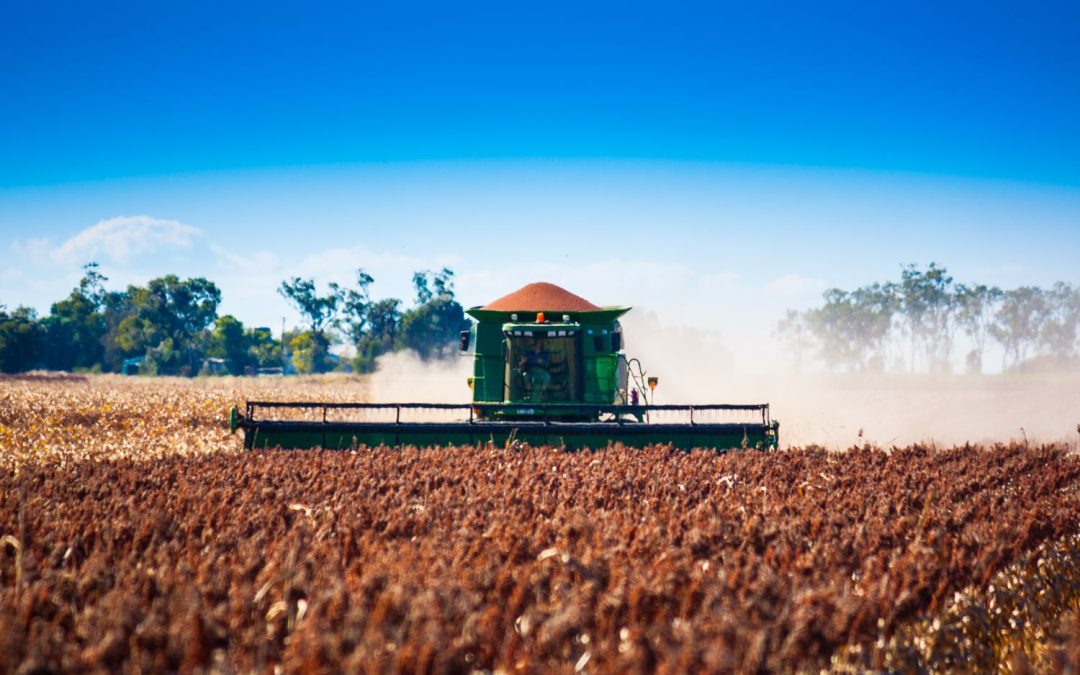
(560, 364)
(549, 367)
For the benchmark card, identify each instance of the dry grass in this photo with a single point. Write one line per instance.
(48, 418)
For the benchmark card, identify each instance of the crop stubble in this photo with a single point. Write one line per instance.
(466, 558)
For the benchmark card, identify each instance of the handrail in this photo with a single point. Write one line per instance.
(605, 407)
(544, 409)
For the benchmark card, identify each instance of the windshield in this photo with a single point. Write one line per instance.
(541, 369)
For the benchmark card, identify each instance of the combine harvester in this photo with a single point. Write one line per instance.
(548, 369)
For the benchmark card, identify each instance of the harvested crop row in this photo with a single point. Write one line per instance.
(463, 558)
(63, 419)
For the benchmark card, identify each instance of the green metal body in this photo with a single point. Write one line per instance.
(595, 367)
(344, 426)
(557, 379)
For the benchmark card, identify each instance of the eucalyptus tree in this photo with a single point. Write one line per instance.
(927, 302)
(22, 340)
(794, 330)
(372, 326)
(356, 306)
(166, 321)
(1061, 315)
(875, 306)
(976, 307)
(1017, 322)
(76, 326)
(851, 329)
(311, 348)
(432, 326)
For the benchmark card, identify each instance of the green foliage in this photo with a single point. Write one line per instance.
(76, 326)
(975, 309)
(423, 287)
(851, 328)
(431, 328)
(166, 319)
(311, 349)
(356, 305)
(311, 353)
(243, 349)
(116, 307)
(856, 330)
(165, 358)
(927, 299)
(22, 340)
(1059, 320)
(170, 326)
(263, 350)
(1017, 322)
(317, 310)
(229, 341)
(383, 322)
(181, 308)
(302, 350)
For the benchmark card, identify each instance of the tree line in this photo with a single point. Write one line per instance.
(171, 326)
(914, 324)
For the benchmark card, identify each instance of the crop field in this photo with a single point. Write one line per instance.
(137, 534)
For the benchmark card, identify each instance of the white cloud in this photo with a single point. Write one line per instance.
(262, 269)
(130, 248)
(249, 279)
(1009, 271)
(794, 285)
(118, 239)
(604, 282)
(340, 264)
(246, 262)
(34, 249)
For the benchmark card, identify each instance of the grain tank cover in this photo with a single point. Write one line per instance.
(554, 301)
(541, 297)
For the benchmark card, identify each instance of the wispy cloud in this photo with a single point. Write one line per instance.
(605, 281)
(794, 285)
(249, 279)
(244, 261)
(35, 249)
(118, 240)
(341, 263)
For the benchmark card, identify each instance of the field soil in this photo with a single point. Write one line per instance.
(136, 533)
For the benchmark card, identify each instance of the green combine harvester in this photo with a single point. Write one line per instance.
(548, 369)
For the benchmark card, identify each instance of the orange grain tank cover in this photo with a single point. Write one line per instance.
(542, 297)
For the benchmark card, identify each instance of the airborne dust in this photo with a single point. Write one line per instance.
(836, 411)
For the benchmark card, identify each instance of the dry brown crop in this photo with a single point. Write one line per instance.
(136, 533)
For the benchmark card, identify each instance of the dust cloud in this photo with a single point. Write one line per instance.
(403, 377)
(839, 411)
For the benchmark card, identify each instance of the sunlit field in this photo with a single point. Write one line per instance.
(137, 533)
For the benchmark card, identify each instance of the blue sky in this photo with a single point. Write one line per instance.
(700, 160)
(101, 90)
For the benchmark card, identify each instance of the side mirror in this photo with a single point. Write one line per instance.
(463, 341)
